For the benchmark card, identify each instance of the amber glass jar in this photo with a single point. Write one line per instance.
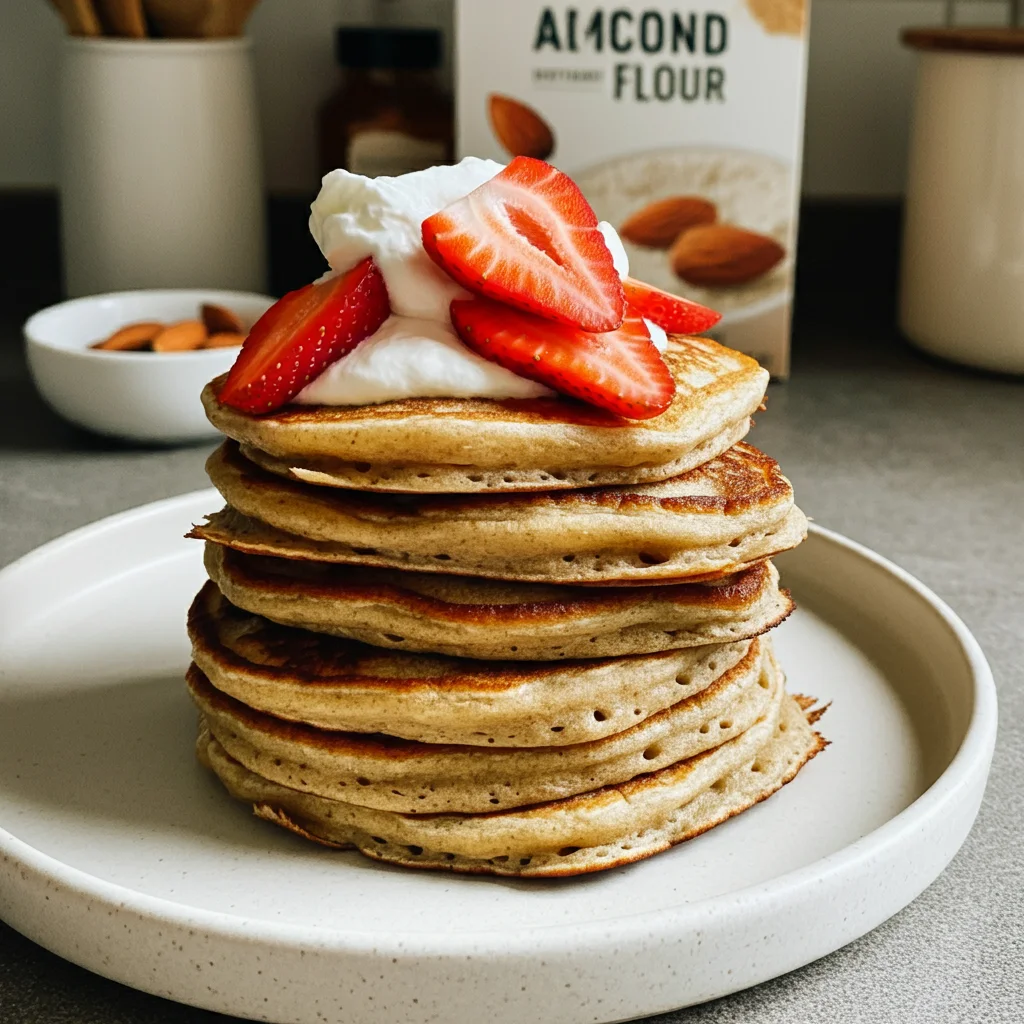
(389, 115)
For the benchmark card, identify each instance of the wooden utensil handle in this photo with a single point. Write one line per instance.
(80, 17)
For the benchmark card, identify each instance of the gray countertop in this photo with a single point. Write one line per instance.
(922, 462)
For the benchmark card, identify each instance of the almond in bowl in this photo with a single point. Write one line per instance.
(218, 327)
(131, 337)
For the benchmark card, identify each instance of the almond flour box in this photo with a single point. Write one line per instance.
(682, 124)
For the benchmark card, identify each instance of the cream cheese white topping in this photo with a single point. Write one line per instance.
(411, 358)
(415, 353)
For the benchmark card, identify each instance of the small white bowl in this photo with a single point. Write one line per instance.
(140, 396)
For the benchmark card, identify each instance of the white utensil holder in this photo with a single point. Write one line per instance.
(161, 183)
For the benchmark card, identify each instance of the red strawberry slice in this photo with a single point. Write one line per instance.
(528, 238)
(668, 311)
(302, 334)
(617, 370)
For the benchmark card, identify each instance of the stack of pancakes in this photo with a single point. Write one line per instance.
(523, 637)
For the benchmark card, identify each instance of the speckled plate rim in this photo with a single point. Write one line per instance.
(933, 826)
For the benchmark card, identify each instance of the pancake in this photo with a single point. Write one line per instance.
(446, 445)
(430, 478)
(402, 775)
(345, 685)
(593, 831)
(717, 519)
(477, 618)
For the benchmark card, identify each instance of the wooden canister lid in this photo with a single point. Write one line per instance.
(966, 40)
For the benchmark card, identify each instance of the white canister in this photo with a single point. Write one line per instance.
(962, 280)
(161, 183)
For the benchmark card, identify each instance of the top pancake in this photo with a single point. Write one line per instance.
(453, 446)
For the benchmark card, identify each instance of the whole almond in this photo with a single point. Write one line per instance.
(723, 254)
(218, 319)
(519, 128)
(224, 339)
(131, 337)
(180, 337)
(657, 225)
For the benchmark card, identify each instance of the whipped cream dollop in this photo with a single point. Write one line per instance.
(354, 217)
(413, 358)
(415, 353)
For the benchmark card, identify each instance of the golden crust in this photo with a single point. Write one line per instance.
(387, 772)
(433, 478)
(478, 618)
(741, 479)
(339, 684)
(483, 602)
(724, 516)
(589, 832)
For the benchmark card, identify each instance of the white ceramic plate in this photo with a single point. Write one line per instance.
(118, 852)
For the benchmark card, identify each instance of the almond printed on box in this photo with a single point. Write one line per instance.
(682, 124)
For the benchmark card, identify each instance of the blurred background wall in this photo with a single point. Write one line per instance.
(858, 100)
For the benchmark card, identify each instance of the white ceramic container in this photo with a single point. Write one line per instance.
(160, 176)
(962, 281)
(138, 396)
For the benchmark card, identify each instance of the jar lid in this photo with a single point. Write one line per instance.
(965, 40)
(409, 48)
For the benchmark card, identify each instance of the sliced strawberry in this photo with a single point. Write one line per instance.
(303, 333)
(528, 238)
(617, 370)
(668, 311)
